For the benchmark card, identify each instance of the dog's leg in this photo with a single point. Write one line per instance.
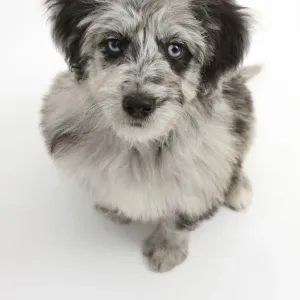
(113, 215)
(240, 197)
(167, 247)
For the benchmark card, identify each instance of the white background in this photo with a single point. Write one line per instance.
(54, 246)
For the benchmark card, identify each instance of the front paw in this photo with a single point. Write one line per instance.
(164, 254)
(113, 215)
(241, 197)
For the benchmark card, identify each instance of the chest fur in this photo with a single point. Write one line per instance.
(188, 176)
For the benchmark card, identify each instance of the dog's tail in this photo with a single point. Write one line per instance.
(249, 72)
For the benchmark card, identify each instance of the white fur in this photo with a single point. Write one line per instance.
(192, 175)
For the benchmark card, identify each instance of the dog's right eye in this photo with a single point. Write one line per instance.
(115, 47)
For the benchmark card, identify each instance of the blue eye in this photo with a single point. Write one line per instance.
(175, 50)
(114, 46)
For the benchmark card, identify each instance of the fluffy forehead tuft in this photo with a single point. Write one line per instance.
(216, 32)
(164, 20)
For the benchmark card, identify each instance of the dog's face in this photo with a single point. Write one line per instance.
(145, 59)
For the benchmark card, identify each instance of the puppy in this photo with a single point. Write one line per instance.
(154, 118)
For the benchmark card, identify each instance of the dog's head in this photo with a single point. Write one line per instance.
(143, 60)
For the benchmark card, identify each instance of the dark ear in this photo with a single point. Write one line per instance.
(66, 16)
(227, 29)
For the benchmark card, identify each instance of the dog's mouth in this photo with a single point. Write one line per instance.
(136, 124)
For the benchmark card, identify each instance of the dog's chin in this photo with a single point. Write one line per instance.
(138, 132)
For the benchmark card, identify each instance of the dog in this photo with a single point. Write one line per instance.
(153, 118)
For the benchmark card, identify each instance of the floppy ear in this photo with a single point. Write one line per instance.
(66, 16)
(227, 32)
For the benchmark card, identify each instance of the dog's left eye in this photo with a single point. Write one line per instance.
(175, 50)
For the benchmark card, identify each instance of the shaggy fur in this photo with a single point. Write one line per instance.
(184, 160)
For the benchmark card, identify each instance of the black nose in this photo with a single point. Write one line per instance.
(139, 105)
